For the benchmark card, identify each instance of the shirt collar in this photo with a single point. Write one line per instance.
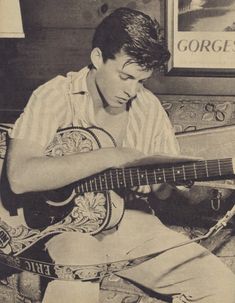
(78, 81)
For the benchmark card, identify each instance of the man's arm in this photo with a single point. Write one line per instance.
(29, 169)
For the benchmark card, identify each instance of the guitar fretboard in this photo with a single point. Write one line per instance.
(117, 178)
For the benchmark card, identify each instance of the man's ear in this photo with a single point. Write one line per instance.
(96, 57)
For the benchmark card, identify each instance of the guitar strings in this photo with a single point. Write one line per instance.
(128, 177)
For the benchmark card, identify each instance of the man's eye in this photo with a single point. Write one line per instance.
(122, 77)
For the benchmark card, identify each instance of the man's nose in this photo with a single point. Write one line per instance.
(131, 90)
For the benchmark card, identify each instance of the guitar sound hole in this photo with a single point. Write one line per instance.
(59, 195)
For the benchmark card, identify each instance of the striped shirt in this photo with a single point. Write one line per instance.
(65, 102)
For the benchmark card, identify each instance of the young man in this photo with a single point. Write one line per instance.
(110, 95)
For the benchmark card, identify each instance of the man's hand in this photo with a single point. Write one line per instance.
(143, 189)
(163, 191)
(124, 157)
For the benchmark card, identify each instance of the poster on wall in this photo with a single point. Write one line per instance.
(200, 36)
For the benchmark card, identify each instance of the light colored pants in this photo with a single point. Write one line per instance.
(190, 273)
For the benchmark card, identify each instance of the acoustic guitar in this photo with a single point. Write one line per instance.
(92, 205)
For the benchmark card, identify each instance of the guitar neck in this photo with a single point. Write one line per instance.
(179, 173)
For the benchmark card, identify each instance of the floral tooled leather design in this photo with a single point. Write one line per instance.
(3, 134)
(87, 215)
(69, 142)
(90, 209)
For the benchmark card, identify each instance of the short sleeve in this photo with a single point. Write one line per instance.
(43, 113)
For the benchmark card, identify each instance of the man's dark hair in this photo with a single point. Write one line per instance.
(133, 32)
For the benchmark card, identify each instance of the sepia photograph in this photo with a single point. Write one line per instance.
(117, 151)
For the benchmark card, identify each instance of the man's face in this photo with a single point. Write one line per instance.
(119, 81)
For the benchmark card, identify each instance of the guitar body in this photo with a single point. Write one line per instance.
(90, 205)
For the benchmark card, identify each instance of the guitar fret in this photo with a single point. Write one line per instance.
(164, 175)
(146, 176)
(86, 186)
(155, 176)
(168, 175)
(184, 172)
(96, 187)
(219, 167)
(91, 181)
(78, 188)
(105, 180)
(138, 176)
(82, 187)
(100, 179)
(118, 183)
(111, 179)
(206, 166)
(173, 173)
(131, 178)
(195, 171)
(123, 176)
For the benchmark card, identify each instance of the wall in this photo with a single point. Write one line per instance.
(58, 37)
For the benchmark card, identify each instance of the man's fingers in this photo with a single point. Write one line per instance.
(144, 189)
